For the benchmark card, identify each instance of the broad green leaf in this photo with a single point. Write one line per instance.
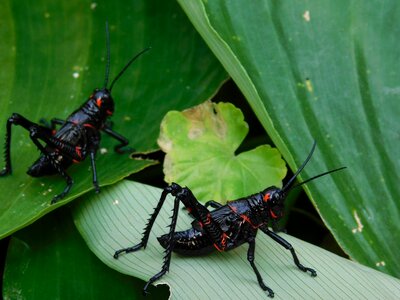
(53, 56)
(116, 220)
(200, 143)
(49, 260)
(327, 71)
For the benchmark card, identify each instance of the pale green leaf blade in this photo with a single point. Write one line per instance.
(116, 220)
(201, 144)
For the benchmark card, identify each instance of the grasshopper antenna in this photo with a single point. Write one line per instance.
(107, 75)
(108, 56)
(288, 187)
(127, 66)
(317, 176)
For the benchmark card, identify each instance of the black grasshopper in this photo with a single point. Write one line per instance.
(226, 227)
(78, 137)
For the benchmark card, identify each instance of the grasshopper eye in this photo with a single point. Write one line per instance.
(273, 197)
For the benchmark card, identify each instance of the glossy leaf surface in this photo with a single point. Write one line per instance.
(53, 56)
(326, 71)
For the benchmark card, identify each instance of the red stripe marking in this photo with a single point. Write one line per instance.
(233, 208)
(272, 214)
(208, 220)
(88, 125)
(98, 102)
(224, 237)
(247, 219)
(216, 247)
(78, 151)
(266, 197)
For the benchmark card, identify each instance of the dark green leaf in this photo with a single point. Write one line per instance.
(327, 71)
(49, 260)
(53, 56)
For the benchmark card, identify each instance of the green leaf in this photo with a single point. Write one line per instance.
(326, 71)
(200, 143)
(116, 220)
(53, 56)
(49, 260)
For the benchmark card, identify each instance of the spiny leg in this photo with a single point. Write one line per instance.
(67, 188)
(150, 222)
(42, 133)
(93, 163)
(15, 119)
(7, 152)
(68, 179)
(250, 258)
(123, 141)
(281, 241)
(93, 146)
(170, 246)
(200, 212)
(73, 152)
(204, 217)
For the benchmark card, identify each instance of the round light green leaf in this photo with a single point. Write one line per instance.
(201, 142)
(49, 260)
(53, 55)
(116, 219)
(327, 71)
